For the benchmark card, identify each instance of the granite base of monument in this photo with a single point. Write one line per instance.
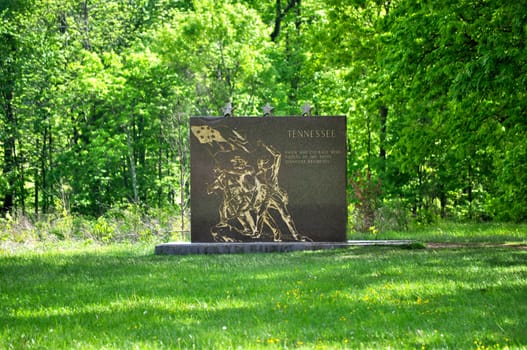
(186, 248)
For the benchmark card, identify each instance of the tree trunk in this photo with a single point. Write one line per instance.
(160, 164)
(37, 181)
(86, 44)
(182, 167)
(279, 16)
(7, 95)
(383, 113)
(131, 159)
(443, 200)
(21, 176)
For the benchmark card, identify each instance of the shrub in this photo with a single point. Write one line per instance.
(392, 216)
(366, 198)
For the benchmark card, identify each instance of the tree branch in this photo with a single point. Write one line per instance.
(280, 16)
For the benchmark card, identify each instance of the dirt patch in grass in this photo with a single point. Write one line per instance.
(446, 245)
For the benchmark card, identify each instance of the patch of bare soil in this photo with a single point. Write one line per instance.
(437, 245)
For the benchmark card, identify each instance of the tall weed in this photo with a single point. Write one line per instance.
(120, 224)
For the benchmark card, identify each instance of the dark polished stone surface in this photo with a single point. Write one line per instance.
(273, 179)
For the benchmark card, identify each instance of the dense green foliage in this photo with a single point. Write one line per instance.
(115, 297)
(95, 98)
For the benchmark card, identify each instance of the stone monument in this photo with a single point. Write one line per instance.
(268, 179)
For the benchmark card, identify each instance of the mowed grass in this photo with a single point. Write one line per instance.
(451, 232)
(125, 297)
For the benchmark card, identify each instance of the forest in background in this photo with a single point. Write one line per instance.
(96, 95)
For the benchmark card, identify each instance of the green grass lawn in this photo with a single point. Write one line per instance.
(125, 297)
(450, 232)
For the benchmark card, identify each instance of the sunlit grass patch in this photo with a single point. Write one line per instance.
(446, 231)
(123, 296)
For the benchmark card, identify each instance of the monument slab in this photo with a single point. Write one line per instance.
(270, 179)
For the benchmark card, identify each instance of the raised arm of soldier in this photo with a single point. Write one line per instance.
(277, 157)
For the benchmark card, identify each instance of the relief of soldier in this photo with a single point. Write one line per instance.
(253, 205)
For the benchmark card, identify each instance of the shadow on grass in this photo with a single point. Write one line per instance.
(372, 297)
